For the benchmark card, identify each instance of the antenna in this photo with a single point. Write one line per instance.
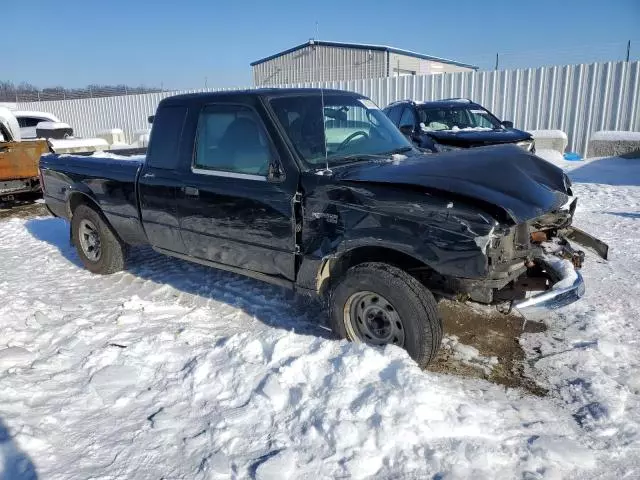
(324, 134)
(327, 170)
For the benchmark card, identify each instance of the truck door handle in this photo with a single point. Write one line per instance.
(149, 175)
(191, 191)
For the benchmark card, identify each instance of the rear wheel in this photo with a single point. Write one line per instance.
(98, 248)
(380, 304)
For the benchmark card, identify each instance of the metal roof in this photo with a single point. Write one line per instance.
(364, 46)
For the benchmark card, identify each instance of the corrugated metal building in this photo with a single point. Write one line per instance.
(320, 61)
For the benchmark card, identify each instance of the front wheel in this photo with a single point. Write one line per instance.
(380, 304)
(98, 247)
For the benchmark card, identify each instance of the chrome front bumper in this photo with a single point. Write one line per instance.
(555, 297)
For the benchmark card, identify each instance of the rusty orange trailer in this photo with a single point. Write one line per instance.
(19, 167)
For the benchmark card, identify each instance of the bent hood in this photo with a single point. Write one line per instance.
(506, 176)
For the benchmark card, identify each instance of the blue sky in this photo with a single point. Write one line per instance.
(177, 44)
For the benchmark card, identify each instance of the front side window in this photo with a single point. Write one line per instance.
(453, 118)
(408, 118)
(394, 113)
(336, 128)
(29, 122)
(231, 139)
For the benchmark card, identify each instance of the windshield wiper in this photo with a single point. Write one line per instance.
(358, 157)
(398, 150)
(365, 157)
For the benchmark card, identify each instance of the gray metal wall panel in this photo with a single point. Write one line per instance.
(578, 99)
(322, 63)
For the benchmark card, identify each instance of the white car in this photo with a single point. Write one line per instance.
(28, 121)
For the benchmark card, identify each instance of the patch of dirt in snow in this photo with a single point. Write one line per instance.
(22, 208)
(492, 335)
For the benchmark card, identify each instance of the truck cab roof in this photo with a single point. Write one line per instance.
(189, 98)
(447, 102)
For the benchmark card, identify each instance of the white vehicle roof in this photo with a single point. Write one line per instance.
(10, 123)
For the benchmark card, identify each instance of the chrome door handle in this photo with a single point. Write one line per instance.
(149, 175)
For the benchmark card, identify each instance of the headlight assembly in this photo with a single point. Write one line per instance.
(526, 145)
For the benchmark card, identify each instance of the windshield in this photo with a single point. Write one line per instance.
(457, 117)
(348, 129)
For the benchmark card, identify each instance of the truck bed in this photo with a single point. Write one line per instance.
(108, 179)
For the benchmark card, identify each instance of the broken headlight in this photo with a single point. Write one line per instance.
(527, 145)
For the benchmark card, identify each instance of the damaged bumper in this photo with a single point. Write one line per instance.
(568, 284)
(568, 287)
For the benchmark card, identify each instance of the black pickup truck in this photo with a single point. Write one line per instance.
(316, 190)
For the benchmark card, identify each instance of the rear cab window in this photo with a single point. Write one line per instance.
(166, 134)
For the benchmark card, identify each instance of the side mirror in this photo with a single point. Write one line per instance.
(507, 123)
(275, 173)
(407, 130)
(150, 118)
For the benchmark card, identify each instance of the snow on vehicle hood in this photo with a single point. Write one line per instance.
(476, 137)
(523, 185)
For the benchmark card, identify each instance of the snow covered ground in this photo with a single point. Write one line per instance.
(172, 370)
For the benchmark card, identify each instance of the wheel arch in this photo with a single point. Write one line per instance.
(78, 197)
(333, 266)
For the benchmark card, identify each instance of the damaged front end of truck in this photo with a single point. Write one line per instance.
(495, 225)
(534, 266)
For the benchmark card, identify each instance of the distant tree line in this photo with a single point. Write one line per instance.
(25, 92)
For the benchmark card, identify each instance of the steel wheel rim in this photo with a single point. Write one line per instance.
(89, 240)
(371, 318)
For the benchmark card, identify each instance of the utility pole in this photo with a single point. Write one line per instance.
(628, 49)
(497, 59)
(205, 83)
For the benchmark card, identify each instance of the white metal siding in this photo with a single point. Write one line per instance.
(320, 63)
(578, 99)
(421, 66)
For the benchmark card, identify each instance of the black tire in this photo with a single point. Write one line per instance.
(414, 304)
(112, 252)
